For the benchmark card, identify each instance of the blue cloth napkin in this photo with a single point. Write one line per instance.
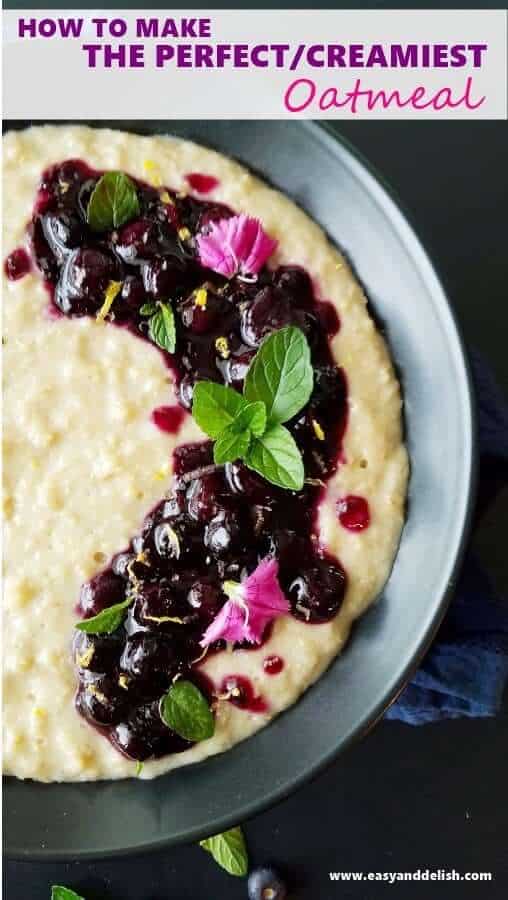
(466, 670)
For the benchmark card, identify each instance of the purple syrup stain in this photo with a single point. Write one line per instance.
(203, 184)
(354, 513)
(168, 418)
(17, 264)
(52, 312)
(240, 692)
(273, 665)
(329, 318)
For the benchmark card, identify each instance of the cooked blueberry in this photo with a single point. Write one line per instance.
(222, 532)
(330, 391)
(191, 457)
(242, 480)
(137, 241)
(265, 883)
(316, 594)
(144, 734)
(204, 598)
(290, 548)
(147, 655)
(186, 391)
(235, 368)
(46, 260)
(213, 212)
(167, 541)
(203, 311)
(162, 276)
(101, 591)
(83, 281)
(203, 497)
(133, 740)
(174, 505)
(63, 232)
(132, 297)
(295, 282)
(177, 543)
(97, 652)
(102, 701)
(121, 562)
(155, 602)
(269, 311)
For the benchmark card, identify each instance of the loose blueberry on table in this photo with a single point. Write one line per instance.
(265, 883)
(191, 278)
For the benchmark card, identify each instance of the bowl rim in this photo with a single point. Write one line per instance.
(328, 136)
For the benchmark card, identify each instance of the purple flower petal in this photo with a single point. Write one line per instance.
(235, 245)
(229, 624)
(262, 589)
(252, 605)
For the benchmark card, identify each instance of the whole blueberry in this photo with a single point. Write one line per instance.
(269, 311)
(63, 232)
(83, 281)
(137, 241)
(103, 590)
(317, 592)
(265, 883)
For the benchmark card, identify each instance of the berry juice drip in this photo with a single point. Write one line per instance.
(354, 513)
(17, 264)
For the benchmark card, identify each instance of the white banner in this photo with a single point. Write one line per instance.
(232, 64)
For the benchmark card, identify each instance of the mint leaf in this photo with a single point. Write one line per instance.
(148, 309)
(186, 711)
(62, 893)
(106, 621)
(281, 374)
(230, 445)
(215, 406)
(113, 202)
(276, 457)
(161, 328)
(229, 851)
(251, 417)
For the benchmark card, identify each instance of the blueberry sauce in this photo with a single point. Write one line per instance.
(239, 691)
(273, 665)
(202, 184)
(217, 522)
(17, 264)
(168, 418)
(354, 513)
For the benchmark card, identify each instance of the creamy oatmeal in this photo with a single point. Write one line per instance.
(84, 463)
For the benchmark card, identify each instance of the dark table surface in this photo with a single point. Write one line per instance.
(404, 798)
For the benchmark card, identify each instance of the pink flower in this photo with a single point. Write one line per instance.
(238, 245)
(252, 604)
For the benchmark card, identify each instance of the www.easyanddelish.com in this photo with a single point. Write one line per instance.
(417, 875)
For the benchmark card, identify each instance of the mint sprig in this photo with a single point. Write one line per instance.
(231, 445)
(161, 326)
(113, 202)
(252, 417)
(107, 621)
(187, 712)
(250, 427)
(58, 892)
(215, 407)
(229, 851)
(281, 375)
(277, 458)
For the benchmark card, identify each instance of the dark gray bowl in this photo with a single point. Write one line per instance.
(339, 191)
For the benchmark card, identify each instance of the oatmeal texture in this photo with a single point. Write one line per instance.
(84, 463)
